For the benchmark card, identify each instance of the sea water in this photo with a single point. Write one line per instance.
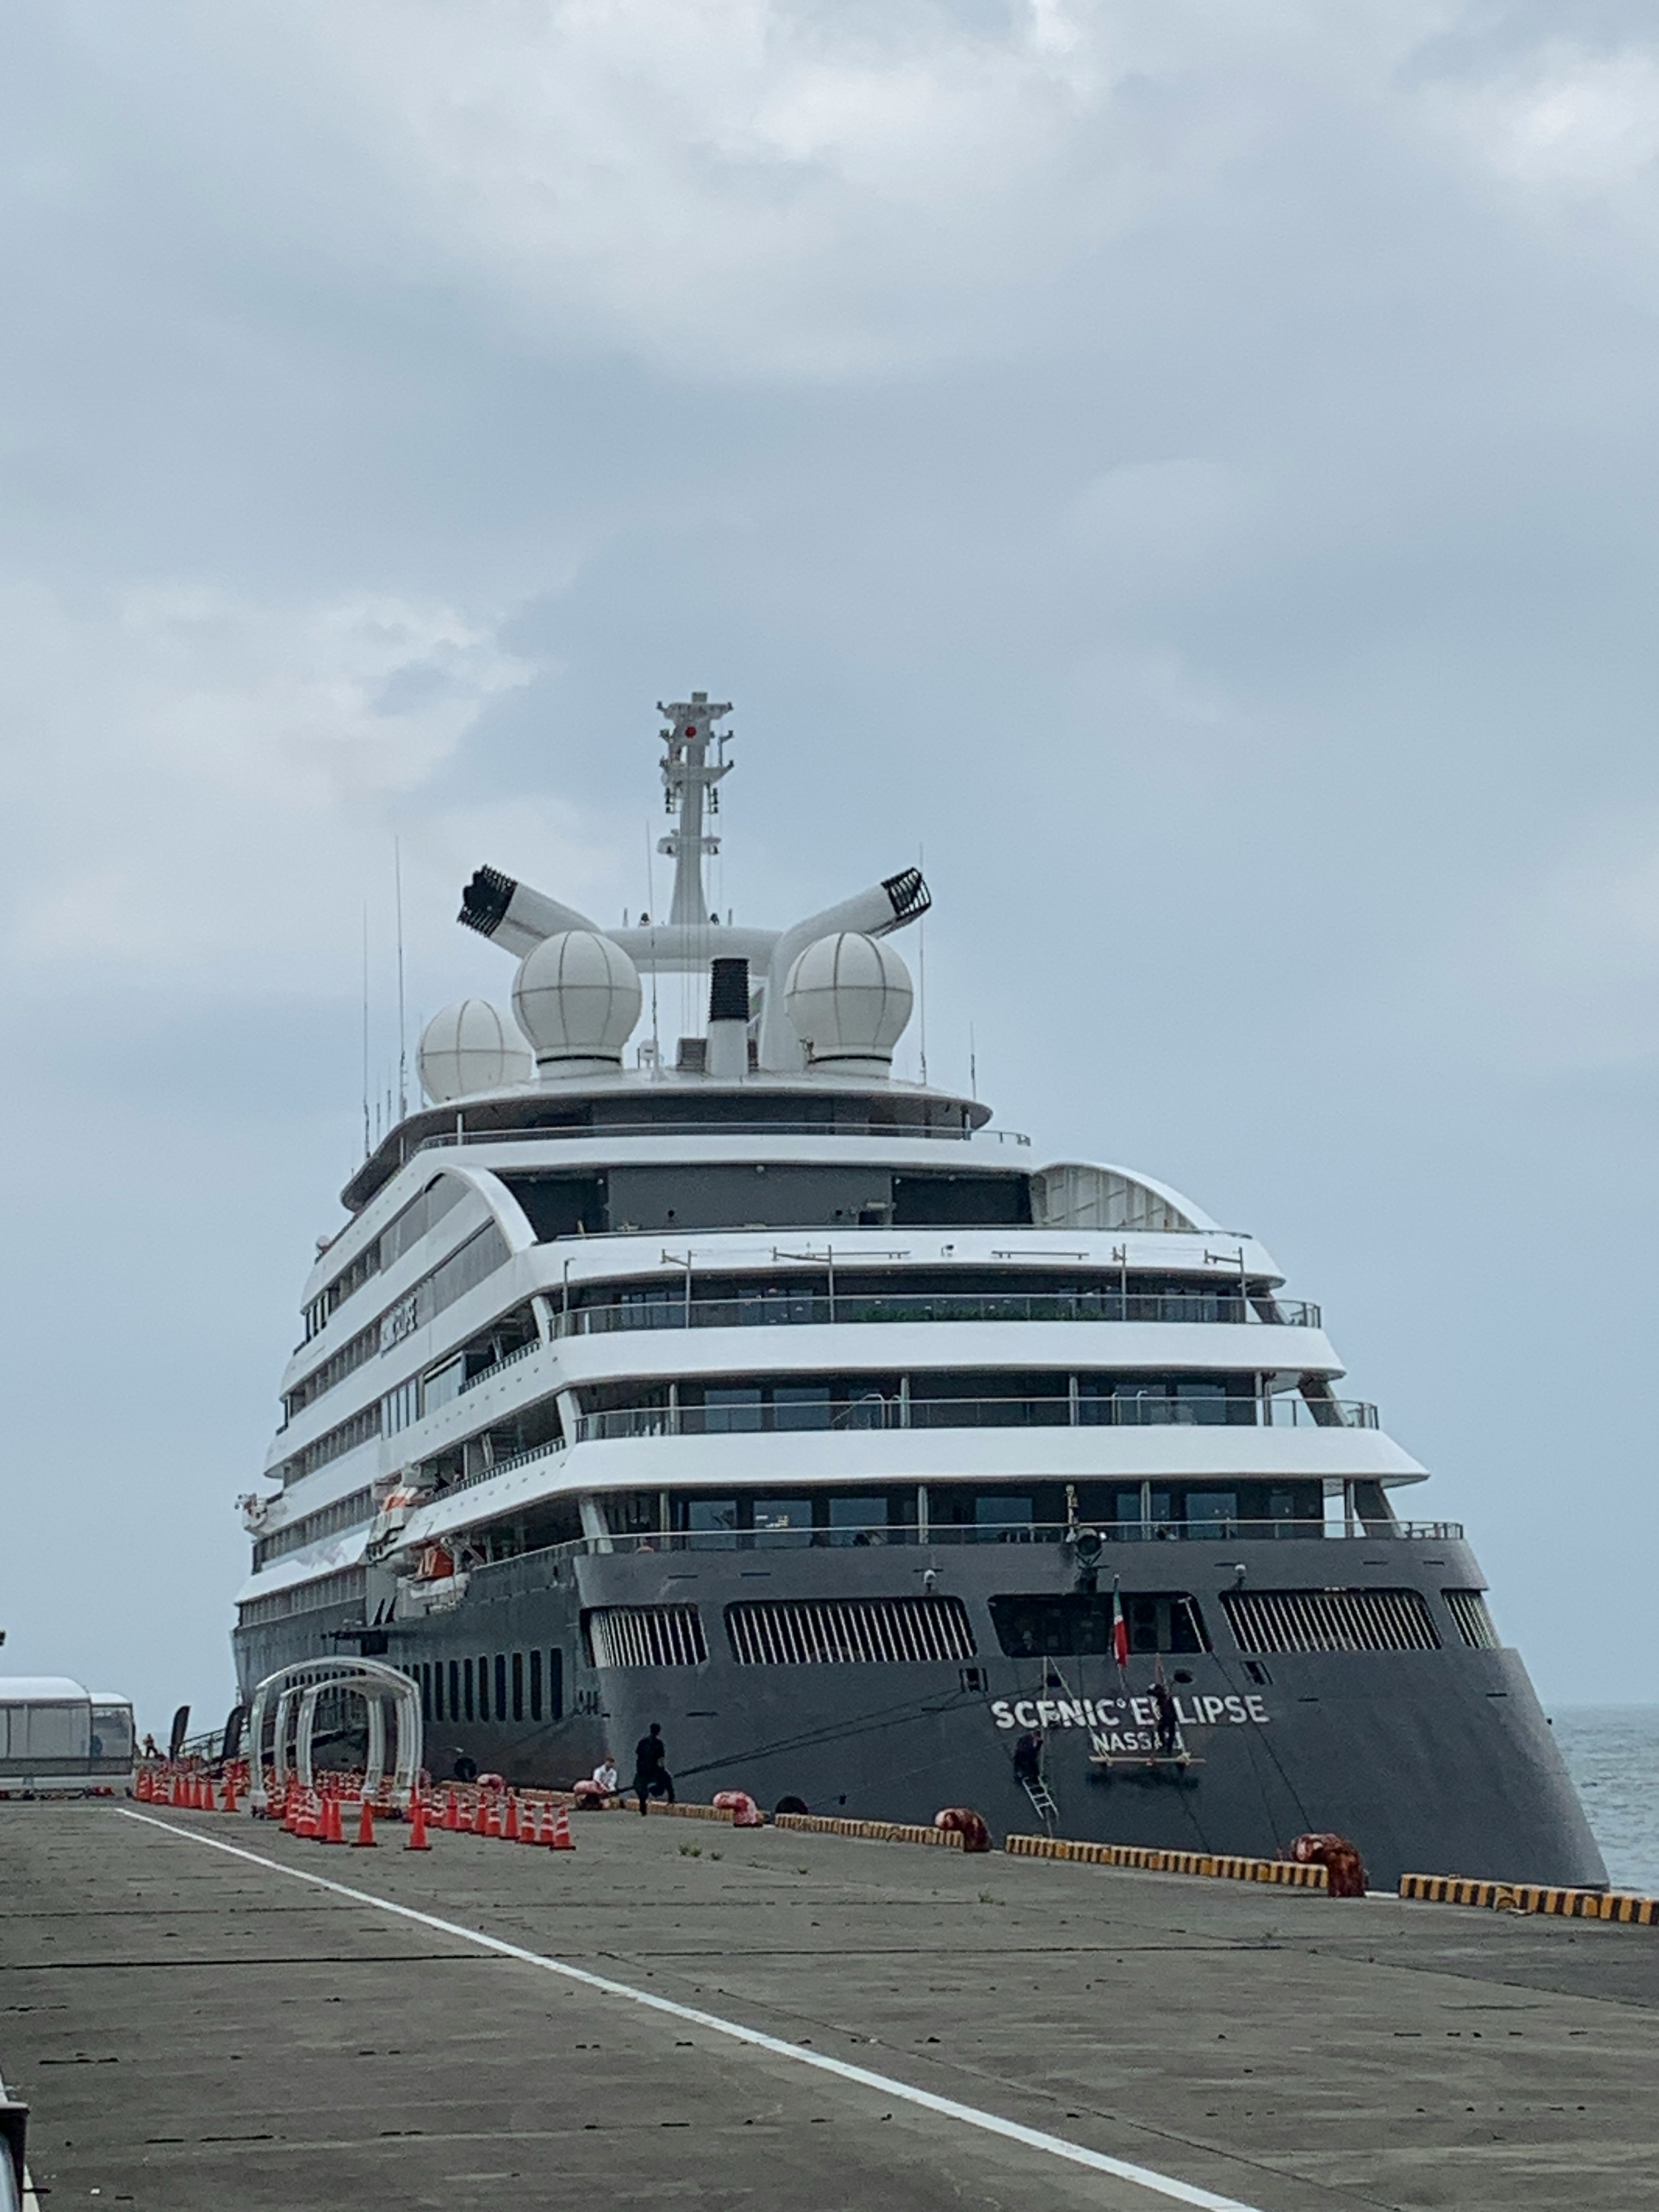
(1612, 1755)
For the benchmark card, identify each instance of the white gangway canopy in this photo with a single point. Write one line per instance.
(290, 1698)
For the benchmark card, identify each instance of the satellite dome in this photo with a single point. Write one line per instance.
(471, 1046)
(577, 997)
(849, 997)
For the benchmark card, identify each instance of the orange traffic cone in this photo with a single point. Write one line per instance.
(529, 1826)
(329, 1830)
(450, 1818)
(510, 1825)
(563, 1838)
(364, 1839)
(418, 1841)
(480, 1816)
(141, 1785)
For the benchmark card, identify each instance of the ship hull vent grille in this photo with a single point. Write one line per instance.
(647, 1635)
(1268, 1621)
(858, 1631)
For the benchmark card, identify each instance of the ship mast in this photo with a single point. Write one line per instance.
(690, 778)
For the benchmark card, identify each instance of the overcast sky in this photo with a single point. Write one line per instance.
(1189, 468)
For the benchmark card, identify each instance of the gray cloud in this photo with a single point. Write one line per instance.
(1191, 470)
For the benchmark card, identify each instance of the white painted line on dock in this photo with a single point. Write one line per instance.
(1142, 2177)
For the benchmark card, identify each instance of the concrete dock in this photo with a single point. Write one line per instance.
(776, 2019)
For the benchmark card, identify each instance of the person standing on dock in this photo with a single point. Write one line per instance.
(651, 1775)
(1169, 1725)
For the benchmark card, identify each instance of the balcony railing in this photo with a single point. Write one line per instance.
(853, 1126)
(874, 1536)
(808, 1309)
(507, 1359)
(901, 1411)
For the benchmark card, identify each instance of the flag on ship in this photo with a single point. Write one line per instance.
(1120, 1628)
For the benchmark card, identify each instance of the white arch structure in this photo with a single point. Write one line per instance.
(292, 1695)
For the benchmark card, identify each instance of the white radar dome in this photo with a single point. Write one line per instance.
(471, 1046)
(849, 997)
(577, 999)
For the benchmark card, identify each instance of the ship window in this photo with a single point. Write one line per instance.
(466, 1686)
(1081, 1626)
(726, 1411)
(1206, 1507)
(443, 1385)
(454, 1689)
(856, 1631)
(1265, 1621)
(1468, 1608)
(535, 1685)
(987, 1201)
(800, 1406)
(518, 1685)
(501, 1686)
(712, 1517)
(782, 1521)
(857, 1520)
(402, 1407)
(647, 1635)
(1003, 1520)
(556, 1685)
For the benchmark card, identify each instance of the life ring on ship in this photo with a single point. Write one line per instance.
(969, 1826)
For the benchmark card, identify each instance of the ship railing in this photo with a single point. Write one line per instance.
(898, 1409)
(539, 1133)
(871, 1535)
(507, 1359)
(814, 1309)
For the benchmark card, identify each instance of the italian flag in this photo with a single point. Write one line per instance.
(1120, 1630)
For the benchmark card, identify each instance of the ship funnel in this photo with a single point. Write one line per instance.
(728, 1020)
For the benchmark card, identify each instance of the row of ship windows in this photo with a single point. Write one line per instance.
(405, 1229)
(711, 1196)
(508, 1686)
(475, 1262)
(607, 1306)
(944, 1398)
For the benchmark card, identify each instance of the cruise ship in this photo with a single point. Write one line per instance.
(731, 1383)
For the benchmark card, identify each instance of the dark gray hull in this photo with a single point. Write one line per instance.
(1432, 1761)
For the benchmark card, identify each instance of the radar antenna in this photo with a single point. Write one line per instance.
(690, 778)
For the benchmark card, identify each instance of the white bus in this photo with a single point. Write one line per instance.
(56, 1737)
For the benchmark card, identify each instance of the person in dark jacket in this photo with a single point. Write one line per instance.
(651, 1775)
(1028, 1758)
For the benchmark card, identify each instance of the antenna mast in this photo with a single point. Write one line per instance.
(403, 1045)
(690, 778)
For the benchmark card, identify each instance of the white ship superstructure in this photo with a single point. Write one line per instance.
(754, 1390)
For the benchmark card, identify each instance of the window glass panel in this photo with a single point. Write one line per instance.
(501, 1686)
(782, 1521)
(443, 1384)
(726, 1412)
(857, 1520)
(555, 1685)
(1200, 1403)
(712, 1519)
(1003, 1520)
(518, 1685)
(466, 1686)
(805, 1406)
(535, 1685)
(1205, 1507)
